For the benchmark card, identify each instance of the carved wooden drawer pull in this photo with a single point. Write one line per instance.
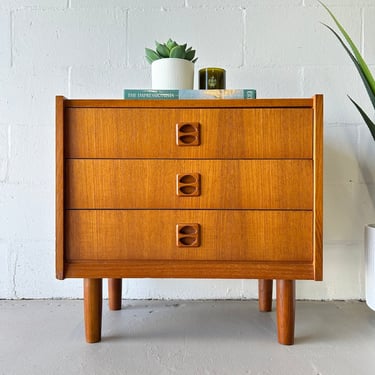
(188, 235)
(188, 185)
(188, 134)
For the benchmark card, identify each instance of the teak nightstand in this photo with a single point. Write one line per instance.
(189, 189)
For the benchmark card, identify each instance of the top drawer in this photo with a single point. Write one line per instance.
(223, 133)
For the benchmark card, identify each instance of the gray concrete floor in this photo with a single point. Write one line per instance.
(185, 337)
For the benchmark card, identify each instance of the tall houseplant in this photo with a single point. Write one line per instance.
(369, 83)
(172, 65)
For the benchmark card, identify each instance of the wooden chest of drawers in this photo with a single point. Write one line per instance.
(192, 189)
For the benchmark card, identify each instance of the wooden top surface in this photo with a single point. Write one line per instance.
(191, 103)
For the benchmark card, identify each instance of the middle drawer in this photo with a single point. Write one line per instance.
(205, 184)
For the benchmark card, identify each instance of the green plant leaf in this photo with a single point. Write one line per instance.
(357, 65)
(177, 52)
(162, 50)
(358, 56)
(151, 55)
(171, 43)
(368, 121)
(189, 55)
(170, 49)
(148, 60)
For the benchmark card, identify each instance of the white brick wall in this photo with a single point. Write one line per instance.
(94, 49)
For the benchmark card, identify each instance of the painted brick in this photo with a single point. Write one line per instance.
(4, 152)
(294, 36)
(27, 212)
(250, 289)
(30, 155)
(340, 154)
(128, 4)
(364, 196)
(93, 82)
(336, 82)
(343, 277)
(5, 275)
(5, 39)
(246, 4)
(70, 37)
(36, 279)
(69, 288)
(168, 24)
(3, 170)
(30, 94)
(3, 141)
(270, 82)
(17, 4)
(340, 3)
(369, 32)
(16, 97)
(347, 208)
(183, 288)
(366, 157)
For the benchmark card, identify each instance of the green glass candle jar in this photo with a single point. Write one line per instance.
(211, 78)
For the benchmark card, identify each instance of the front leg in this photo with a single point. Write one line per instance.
(93, 309)
(285, 309)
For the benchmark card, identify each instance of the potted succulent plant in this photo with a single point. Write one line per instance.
(172, 65)
(369, 83)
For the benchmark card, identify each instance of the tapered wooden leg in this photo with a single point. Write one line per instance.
(93, 309)
(265, 295)
(285, 309)
(114, 293)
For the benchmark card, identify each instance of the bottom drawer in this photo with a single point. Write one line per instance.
(232, 235)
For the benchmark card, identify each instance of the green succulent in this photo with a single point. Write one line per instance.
(170, 49)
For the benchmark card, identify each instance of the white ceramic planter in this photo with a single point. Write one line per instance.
(370, 265)
(171, 73)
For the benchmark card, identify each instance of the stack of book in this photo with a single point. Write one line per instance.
(143, 94)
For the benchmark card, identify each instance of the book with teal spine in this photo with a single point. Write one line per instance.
(144, 94)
